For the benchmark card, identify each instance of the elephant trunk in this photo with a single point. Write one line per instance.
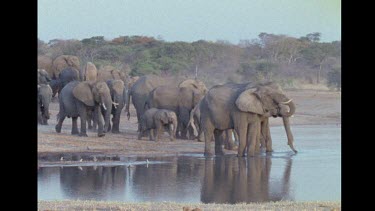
(289, 133)
(45, 111)
(127, 103)
(107, 104)
(292, 108)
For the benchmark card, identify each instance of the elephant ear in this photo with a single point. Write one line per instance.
(84, 94)
(248, 101)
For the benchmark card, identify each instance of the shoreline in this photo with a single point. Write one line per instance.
(115, 205)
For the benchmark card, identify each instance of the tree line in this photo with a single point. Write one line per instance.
(281, 58)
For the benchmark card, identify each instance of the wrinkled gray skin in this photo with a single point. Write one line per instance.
(158, 120)
(65, 76)
(43, 77)
(180, 100)
(194, 121)
(44, 99)
(139, 93)
(119, 95)
(78, 98)
(242, 107)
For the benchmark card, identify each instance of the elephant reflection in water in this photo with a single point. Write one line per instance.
(90, 182)
(234, 180)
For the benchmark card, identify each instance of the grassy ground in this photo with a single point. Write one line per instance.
(102, 205)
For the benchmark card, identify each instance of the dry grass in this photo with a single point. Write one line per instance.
(104, 205)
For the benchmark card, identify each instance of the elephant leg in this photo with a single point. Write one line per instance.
(59, 123)
(218, 142)
(74, 126)
(94, 122)
(252, 138)
(171, 132)
(200, 136)
(116, 123)
(109, 126)
(89, 120)
(158, 131)
(152, 134)
(242, 135)
(229, 139)
(258, 139)
(208, 130)
(97, 113)
(267, 136)
(83, 118)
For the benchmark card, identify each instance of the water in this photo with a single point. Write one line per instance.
(314, 173)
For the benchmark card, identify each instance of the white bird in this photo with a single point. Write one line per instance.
(95, 159)
(62, 158)
(147, 161)
(81, 160)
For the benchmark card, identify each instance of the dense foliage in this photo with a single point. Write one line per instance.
(269, 57)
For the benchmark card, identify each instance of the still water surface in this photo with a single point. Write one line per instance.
(314, 173)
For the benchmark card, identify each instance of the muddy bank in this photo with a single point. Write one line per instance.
(102, 205)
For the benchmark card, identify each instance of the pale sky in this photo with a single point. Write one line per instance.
(188, 20)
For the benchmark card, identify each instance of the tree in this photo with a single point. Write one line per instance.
(316, 54)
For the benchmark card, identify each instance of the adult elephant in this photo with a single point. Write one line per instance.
(65, 76)
(44, 99)
(65, 61)
(78, 98)
(194, 121)
(108, 72)
(138, 93)
(181, 100)
(118, 94)
(242, 107)
(45, 62)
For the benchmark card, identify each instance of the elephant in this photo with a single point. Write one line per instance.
(45, 62)
(181, 100)
(64, 61)
(195, 123)
(138, 93)
(131, 80)
(157, 120)
(243, 107)
(44, 99)
(78, 98)
(65, 76)
(118, 94)
(90, 73)
(108, 72)
(43, 76)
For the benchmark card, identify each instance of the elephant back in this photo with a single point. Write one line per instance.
(65, 61)
(45, 62)
(90, 72)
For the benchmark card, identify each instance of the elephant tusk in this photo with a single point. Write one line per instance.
(286, 102)
(105, 108)
(115, 104)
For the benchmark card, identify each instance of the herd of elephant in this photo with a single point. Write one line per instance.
(187, 109)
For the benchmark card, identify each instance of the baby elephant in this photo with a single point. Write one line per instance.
(158, 120)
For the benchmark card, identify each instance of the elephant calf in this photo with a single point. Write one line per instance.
(157, 120)
(44, 99)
